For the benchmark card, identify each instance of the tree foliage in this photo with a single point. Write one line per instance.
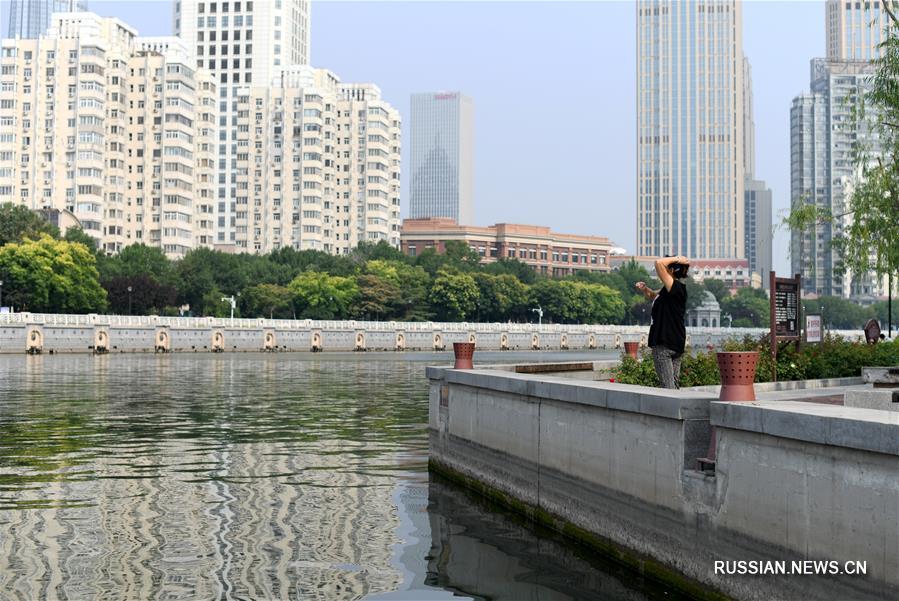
(318, 295)
(51, 276)
(18, 223)
(454, 295)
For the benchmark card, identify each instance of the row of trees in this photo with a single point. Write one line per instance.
(42, 272)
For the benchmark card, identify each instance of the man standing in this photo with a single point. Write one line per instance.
(667, 334)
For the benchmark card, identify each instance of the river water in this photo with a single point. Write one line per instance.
(251, 476)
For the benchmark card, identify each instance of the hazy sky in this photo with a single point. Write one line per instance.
(554, 90)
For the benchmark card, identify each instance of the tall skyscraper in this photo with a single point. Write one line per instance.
(822, 134)
(243, 43)
(114, 128)
(855, 29)
(31, 18)
(442, 157)
(690, 120)
(759, 232)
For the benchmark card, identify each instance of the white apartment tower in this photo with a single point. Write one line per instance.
(242, 43)
(690, 120)
(442, 157)
(855, 29)
(99, 122)
(317, 165)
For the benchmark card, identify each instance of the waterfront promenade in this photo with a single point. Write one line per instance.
(797, 478)
(51, 333)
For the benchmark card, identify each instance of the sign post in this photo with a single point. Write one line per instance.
(813, 328)
(786, 309)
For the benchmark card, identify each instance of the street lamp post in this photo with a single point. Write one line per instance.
(539, 311)
(1, 293)
(129, 299)
(232, 300)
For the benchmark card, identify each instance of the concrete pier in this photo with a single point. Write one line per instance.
(614, 466)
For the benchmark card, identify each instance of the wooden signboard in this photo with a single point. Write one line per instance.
(786, 312)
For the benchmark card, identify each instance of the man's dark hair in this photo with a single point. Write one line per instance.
(678, 270)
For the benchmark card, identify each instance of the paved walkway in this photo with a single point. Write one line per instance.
(827, 396)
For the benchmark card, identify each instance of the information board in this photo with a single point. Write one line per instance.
(813, 328)
(786, 308)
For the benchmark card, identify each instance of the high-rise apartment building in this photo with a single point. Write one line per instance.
(317, 164)
(242, 43)
(758, 229)
(442, 157)
(114, 128)
(855, 29)
(822, 134)
(690, 120)
(31, 18)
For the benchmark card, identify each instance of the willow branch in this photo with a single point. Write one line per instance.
(886, 7)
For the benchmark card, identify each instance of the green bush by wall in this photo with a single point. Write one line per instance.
(832, 358)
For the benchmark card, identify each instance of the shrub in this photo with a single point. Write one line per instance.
(832, 358)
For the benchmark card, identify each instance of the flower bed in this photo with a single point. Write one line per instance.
(832, 358)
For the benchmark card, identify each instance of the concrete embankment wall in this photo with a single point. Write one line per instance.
(614, 465)
(23, 332)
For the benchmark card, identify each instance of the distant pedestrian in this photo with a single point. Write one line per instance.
(667, 332)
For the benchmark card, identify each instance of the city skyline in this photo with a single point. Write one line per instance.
(588, 182)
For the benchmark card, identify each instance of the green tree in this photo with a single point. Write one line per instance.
(749, 308)
(504, 266)
(880, 312)
(51, 276)
(18, 222)
(454, 295)
(838, 312)
(76, 234)
(718, 288)
(695, 293)
(501, 298)
(461, 256)
(267, 300)
(318, 295)
(147, 296)
(414, 284)
(382, 251)
(379, 298)
(139, 260)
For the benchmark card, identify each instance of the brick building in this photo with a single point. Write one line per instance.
(548, 252)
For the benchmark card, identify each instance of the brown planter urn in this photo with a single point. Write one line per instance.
(737, 375)
(631, 348)
(464, 351)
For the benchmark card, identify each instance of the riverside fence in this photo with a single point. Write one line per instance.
(52, 333)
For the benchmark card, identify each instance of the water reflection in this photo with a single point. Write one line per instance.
(481, 551)
(246, 477)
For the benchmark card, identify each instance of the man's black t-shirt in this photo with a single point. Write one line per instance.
(668, 311)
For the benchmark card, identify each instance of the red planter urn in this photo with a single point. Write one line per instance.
(463, 351)
(737, 375)
(631, 348)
